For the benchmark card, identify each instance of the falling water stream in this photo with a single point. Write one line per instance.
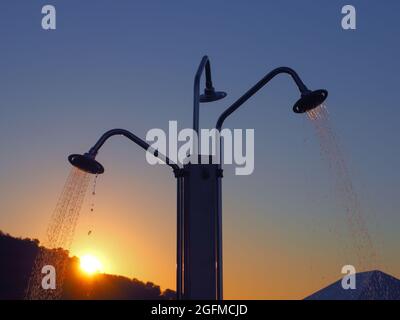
(365, 257)
(365, 254)
(59, 236)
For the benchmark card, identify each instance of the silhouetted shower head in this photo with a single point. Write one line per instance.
(86, 162)
(210, 95)
(310, 100)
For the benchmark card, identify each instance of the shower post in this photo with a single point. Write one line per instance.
(179, 175)
(200, 231)
(202, 236)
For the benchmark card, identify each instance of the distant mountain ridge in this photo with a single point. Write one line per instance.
(370, 285)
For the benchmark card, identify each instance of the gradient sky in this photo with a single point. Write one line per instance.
(131, 65)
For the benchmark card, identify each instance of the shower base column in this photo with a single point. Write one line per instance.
(201, 235)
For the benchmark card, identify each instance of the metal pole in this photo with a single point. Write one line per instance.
(179, 239)
(204, 65)
(253, 90)
(220, 284)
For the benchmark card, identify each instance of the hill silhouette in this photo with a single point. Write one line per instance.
(370, 285)
(17, 257)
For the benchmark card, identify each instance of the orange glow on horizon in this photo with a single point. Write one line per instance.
(90, 264)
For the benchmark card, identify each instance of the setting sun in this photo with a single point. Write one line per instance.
(90, 264)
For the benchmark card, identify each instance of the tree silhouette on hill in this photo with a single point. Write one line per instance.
(17, 257)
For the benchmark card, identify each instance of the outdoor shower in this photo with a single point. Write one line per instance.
(199, 188)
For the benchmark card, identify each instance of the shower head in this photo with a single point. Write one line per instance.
(86, 162)
(210, 95)
(310, 100)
